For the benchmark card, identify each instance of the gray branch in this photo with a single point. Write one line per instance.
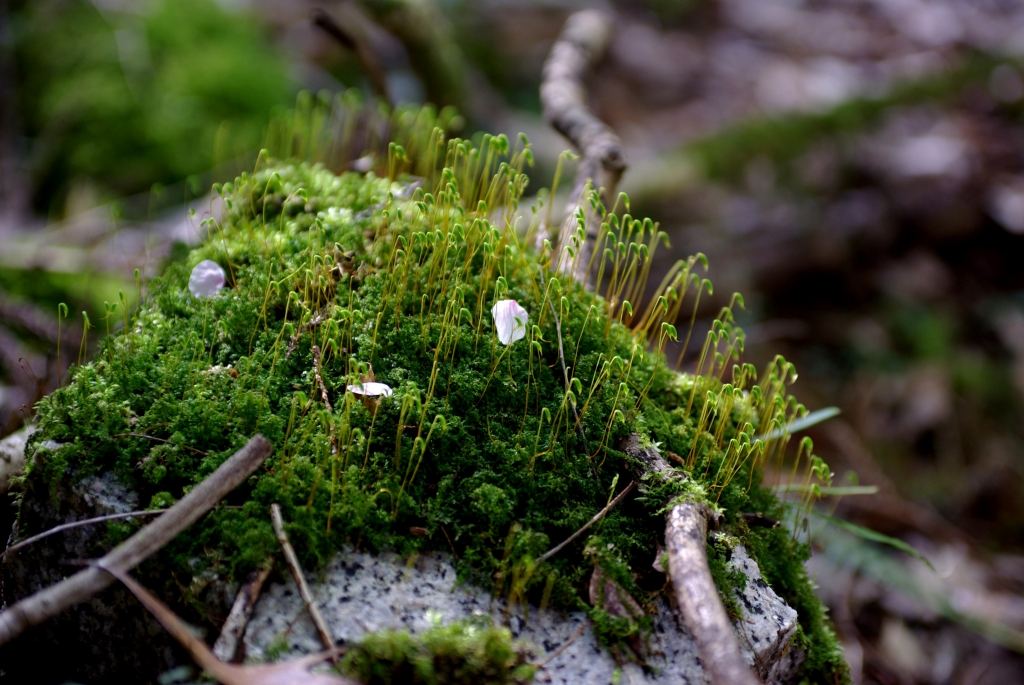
(580, 46)
(686, 532)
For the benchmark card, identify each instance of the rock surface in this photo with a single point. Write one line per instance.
(360, 592)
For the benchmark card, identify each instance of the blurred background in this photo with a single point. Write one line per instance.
(854, 167)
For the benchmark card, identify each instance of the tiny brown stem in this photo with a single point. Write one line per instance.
(300, 579)
(597, 517)
(320, 379)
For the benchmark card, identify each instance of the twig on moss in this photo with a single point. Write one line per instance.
(580, 46)
(78, 524)
(50, 601)
(686, 532)
(294, 672)
(597, 517)
(300, 579)
(226, 646)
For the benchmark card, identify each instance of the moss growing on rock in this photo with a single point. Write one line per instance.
(493, 452)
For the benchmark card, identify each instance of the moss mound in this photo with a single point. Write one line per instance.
(492, 452)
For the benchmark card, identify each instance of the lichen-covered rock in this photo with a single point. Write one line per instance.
(360, 593)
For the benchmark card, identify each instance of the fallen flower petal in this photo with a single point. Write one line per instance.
(371, 389)
(207, 279)
(510, 321)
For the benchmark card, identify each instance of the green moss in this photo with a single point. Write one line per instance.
(479, 445)
(453, 654)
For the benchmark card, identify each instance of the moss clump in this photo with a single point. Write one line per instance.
(490, 451)
(460, 653)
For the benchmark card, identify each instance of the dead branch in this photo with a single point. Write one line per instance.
(226, 646)
(50, 601)
(294, 672)
(300, 579)
(78, 524)
(597, 517)
(580, 46)
(686, 531)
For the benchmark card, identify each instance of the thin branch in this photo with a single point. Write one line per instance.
(686, 531)
(597, 517)
(50, 601)
(160, 440)
(580, 46)
(561, 648)
(226, 646)
(78, 524)
(300, 579)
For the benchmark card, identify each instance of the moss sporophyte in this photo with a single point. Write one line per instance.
(394, 336)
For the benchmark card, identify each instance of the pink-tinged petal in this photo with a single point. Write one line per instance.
(207, 279)
(509, 321)
(371, 389)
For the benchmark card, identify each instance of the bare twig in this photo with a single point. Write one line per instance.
(226, 646)
(686, 531)
(78, 524)
(597, 517)
(294, 672)
(50, 601)
(561, 648)
(580, 46)
(300, 580)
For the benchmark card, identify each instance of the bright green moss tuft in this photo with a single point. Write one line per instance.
(478, 446)
(460, 653)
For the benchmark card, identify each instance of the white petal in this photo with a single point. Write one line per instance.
(207, 279)
(509, 321)
(371, 389)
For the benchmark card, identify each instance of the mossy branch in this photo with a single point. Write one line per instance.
(686, 532)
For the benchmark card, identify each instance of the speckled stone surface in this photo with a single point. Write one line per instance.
(360, 592)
